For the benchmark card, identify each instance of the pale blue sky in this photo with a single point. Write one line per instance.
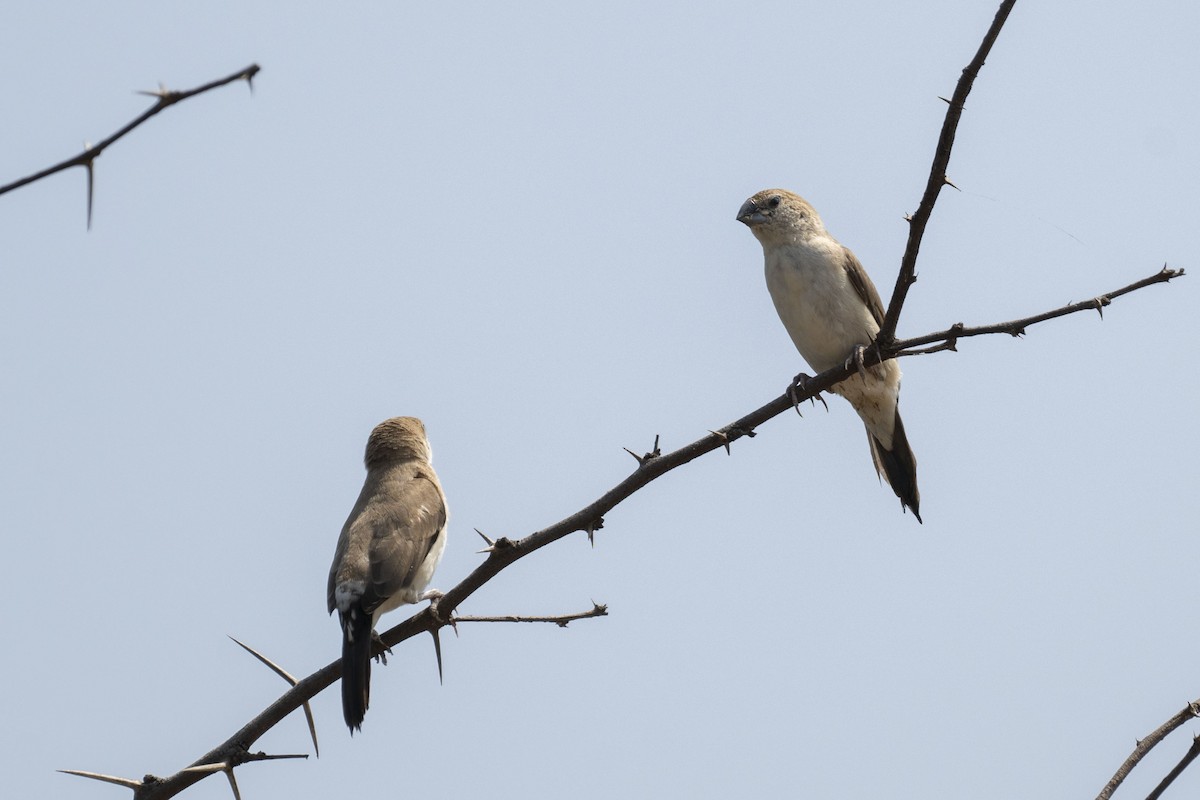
(518, 224)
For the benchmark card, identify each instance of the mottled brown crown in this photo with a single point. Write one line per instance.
(778, 214)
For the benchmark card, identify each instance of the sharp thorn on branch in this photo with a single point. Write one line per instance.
(89, 165)
(161, 92)
(291, 679)
(237, 795)
(592, 527)
(208, 769)
(437, 649)
(491, 544)
(950, 183)
(128, 783)
(724, 439)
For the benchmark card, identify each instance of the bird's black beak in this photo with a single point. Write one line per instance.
(750, 214)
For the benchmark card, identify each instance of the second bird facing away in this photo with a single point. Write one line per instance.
(830, 308)
(389, 547)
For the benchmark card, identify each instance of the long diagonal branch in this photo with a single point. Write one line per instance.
(503, 552)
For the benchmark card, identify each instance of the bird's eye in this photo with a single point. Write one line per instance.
(773, 202)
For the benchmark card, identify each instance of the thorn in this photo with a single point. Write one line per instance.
(642, 459)
(491, 544)
(908, 217)
(162, 92)
(91, 183)
(950, 183)
(944, 100)
(724, 442)
(96, 776)
(437, 649)
(233, 784)
(592, 527)
(287, 676)
(1100, 303)
(207, 769)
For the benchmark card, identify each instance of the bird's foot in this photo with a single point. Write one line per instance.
(801, 382)
(384, 650)
(856, 360)
(432, 594)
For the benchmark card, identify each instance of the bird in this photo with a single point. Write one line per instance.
(387, 551)
(831, 310)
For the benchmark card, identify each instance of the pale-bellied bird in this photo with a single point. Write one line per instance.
(830, 308)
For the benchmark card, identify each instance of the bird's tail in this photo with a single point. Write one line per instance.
(898, 466)
(356, 665)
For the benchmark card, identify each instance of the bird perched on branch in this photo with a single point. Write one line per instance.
(389, 547)
(832, 310)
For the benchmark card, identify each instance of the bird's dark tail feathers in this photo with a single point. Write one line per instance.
(898, 466)
(356, 666)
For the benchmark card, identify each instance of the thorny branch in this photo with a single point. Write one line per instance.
(503, 552)
(1189, 712)
(164, 98)
(937, 176)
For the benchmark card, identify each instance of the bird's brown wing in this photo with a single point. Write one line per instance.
(403, 531)
(861, 282)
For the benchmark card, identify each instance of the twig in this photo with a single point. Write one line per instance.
(164, 98)
(937, 177)
(597, 610)
(1190, 711)
(904, 347)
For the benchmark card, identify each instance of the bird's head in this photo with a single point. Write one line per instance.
(779, 216)
(397, 439)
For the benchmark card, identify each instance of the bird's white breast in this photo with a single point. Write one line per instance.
(816, 302)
